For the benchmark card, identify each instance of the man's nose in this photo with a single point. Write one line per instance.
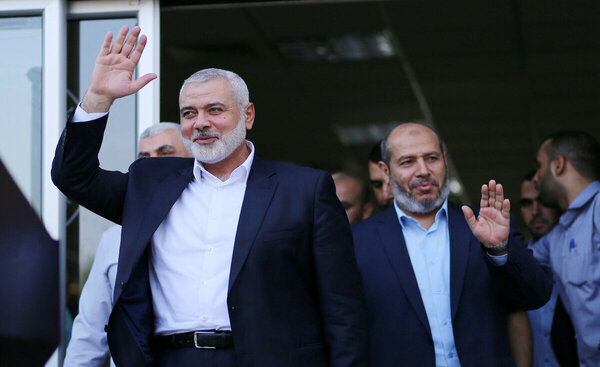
(422, 169)
(201, 122)
(536, 207)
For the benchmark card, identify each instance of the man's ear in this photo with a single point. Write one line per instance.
(382, 166)
(558, 165)
(249, 114)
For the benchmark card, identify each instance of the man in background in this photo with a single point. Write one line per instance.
(377, 179)
(354, 196)
(88, 345)
(539, 220)
(438, 279)
(567, 176)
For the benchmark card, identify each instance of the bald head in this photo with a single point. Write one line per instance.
(406, 131)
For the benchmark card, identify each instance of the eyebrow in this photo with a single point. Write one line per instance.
(208, 105)
(164, 146)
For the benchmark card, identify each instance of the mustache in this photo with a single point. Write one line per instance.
(205, 134)
(422, 181)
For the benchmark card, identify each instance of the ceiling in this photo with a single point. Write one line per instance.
(492, 77)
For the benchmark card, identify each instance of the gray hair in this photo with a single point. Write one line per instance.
(386, 153)
(159, 128)
(239, 88)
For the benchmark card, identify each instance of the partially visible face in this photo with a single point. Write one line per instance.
(547, 185)
(348, 192)
(539, 218)
(418, 174)
(212, 124)
(166, 144)
(380, 188)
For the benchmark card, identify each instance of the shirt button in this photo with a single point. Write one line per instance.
(204, 318)
(220, 188)
(211, 248)
(205, 282)
(450, 355)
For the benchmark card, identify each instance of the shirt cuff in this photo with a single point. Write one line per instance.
(498, 260)
(81, 116)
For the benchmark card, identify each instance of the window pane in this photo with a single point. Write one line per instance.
(84, 228)
(21, 103)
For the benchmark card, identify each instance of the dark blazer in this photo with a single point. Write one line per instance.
(295, 296)
(480, 294)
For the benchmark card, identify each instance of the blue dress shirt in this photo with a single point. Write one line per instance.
(541, 325)
(429, 252)
(572, 250)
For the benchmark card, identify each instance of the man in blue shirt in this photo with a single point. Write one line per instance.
(539, 220)
(439, 281)
(567, 176)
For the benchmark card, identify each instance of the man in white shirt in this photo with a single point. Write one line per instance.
(228, 259)
(88, 345)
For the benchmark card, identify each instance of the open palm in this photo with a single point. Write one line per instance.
(492, 225)
(112, 77)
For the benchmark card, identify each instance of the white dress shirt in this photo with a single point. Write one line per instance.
(88, 345)
(191, 252)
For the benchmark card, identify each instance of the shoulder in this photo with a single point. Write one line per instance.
(290, 168)
(291, 173)
(166, 163)
(109, 243)
(368, 225)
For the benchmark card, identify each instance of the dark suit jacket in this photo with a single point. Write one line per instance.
(479, 294)
(295, 296)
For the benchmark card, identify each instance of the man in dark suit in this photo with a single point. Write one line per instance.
(438, 280)
(226, 259)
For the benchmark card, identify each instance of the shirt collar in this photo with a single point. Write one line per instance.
(580, 201)
(442, 213)
(239, 173)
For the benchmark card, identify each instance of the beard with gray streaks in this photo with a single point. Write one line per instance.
(407, 201)
(220, 148)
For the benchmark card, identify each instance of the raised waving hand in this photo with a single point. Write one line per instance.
(492, 226)
(112, 77)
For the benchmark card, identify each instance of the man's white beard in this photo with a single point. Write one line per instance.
(407, 202)
(220, 148)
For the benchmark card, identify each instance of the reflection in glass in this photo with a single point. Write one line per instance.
(21, 103)
(84, 228)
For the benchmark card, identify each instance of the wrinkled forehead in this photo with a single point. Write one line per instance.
(218, 89)
(413, 140)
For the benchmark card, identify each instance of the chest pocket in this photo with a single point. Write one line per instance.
(575, 261)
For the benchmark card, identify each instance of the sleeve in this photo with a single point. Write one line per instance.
(88, 345)
(340, 289)
(76, 170)
(81, 116)
(522, 281)
(541, 251)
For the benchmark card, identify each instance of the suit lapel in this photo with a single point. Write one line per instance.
(160, 204)
(260, 188)
(394, 246)
(460, 243)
